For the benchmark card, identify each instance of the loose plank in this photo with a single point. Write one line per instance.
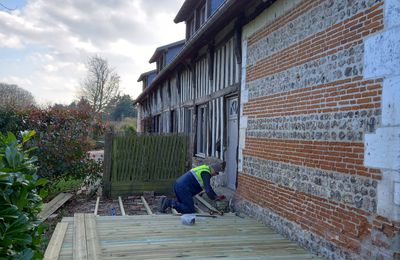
(53, 205)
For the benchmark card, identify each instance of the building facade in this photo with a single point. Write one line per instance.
(301, 99)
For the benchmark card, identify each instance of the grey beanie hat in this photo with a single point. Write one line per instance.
(218, 167)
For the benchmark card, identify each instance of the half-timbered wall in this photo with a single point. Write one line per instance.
(193, 88)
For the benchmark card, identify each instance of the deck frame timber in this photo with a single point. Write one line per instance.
(96, 208)
(121, 206)
(148, 210)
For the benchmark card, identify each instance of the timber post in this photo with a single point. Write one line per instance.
(107, 167)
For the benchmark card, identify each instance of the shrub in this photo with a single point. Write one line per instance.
(64, 136)
(10, 120)
(20, 203)
(63, 139)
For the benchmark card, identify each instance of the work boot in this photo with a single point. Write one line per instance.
(163, 204)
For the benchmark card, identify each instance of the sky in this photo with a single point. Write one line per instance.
(45, 44)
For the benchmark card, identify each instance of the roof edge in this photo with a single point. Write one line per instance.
(145, 74)
(187, 7)
(164, 47)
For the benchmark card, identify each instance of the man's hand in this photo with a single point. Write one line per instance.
(220, 197)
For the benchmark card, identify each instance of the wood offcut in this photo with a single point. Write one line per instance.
(209, 206)
(54, 205)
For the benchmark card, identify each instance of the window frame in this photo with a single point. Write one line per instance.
(201, 13)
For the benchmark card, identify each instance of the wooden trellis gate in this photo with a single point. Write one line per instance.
(137, 163)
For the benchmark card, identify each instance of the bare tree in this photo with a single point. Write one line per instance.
(7, 8)
(101, 84)
(14, 96)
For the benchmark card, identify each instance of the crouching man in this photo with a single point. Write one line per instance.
(190, 184)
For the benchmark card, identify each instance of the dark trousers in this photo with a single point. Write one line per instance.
(184, 200)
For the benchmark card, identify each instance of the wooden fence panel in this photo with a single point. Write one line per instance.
(138, 163)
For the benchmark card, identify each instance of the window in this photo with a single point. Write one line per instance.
(202, 130)
(191, 27)
(201, 15)
(233, 109)
(161, 62)
(197, 20)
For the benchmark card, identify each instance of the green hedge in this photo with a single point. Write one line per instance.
(63, 138)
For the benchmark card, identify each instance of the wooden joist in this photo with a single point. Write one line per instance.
(53, 205)
(121, 206)
(56, 241)
(146, 206)
(96, 208)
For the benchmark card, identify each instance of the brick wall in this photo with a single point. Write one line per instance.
(307, 108)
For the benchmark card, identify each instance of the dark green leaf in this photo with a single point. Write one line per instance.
(9, 212)
(26, 254)
(11, 139)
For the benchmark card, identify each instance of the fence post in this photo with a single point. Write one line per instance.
(108, 144)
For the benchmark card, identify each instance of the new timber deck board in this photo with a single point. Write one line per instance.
(163, 237)
(53, 205)
(55, 244)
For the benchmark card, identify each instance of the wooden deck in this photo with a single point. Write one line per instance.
(163, 237)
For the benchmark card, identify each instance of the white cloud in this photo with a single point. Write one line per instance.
(17, 81)
(46, 44)
(10, 41)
